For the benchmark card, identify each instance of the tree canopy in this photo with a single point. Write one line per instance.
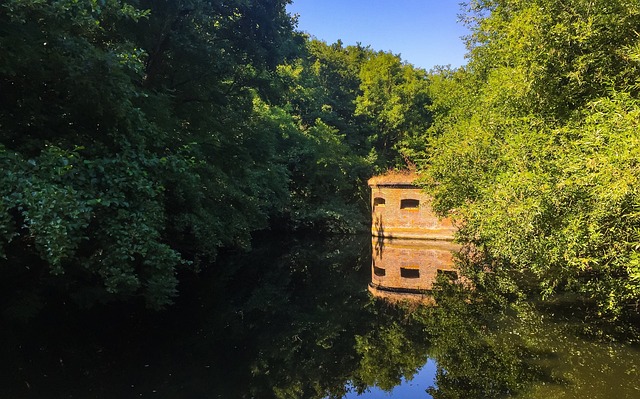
(537, 145)
(139, 137)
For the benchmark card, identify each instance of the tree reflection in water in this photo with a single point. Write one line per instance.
(294, 319)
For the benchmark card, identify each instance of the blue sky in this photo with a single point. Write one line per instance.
(416, 388)
(424, 32)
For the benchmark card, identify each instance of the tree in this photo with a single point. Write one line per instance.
(122, 129)
(324, 144)
(394, 98)
(538, 161)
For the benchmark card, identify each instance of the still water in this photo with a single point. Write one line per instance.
(338, 318)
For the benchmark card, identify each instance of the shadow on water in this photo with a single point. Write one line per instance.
(293, 319)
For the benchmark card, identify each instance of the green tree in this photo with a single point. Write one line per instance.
(395, 100)
(537, 162)
(324, 144)
(129, 139)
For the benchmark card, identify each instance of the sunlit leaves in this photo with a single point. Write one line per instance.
(539, 162)
(394, 99)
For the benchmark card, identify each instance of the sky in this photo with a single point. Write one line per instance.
(423, 379)
(425, 33)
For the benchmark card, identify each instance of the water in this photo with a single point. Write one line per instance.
(414, 388)
(296, 319)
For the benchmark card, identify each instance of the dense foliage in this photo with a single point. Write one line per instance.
(538, 145)
(122, 127)
(137, 136)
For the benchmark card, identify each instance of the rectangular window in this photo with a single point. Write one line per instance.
(378, 201)
(406, 272)
(450, 275)
(378, 271)
(409, 204)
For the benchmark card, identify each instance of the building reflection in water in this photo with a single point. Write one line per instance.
(405, 269)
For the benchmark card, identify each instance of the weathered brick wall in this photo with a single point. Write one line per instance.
(410, 265)
(413, 245)
(391, 219)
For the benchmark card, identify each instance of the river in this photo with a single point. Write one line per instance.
(309, 318)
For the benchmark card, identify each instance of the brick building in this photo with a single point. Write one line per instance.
(411, 245)
(406, 269)
(401, 210)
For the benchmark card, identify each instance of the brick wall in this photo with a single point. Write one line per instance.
(404, 211)
(410, 265)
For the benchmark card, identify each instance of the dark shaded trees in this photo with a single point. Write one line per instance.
(138, 136)
(128, 141)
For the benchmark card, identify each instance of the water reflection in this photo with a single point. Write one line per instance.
(293, 319)
(406, 269)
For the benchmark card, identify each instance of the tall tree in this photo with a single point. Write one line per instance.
(325, 143)
(394, 98)
(128, 139)
(538, 161)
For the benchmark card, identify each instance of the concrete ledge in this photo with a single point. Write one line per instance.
(414, 234)
(395, 295)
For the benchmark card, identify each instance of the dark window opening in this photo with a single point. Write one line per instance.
(378, 271)
(451, 275)
(379, 201)
(409, 204)
(406, 272)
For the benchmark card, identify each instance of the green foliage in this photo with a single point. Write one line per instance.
(395, 100)
(536, 154)
(141, 136)
(130, 144)
(100, 215)
(325, 175)
(324, 145)
(138, 136)
(568, 53)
